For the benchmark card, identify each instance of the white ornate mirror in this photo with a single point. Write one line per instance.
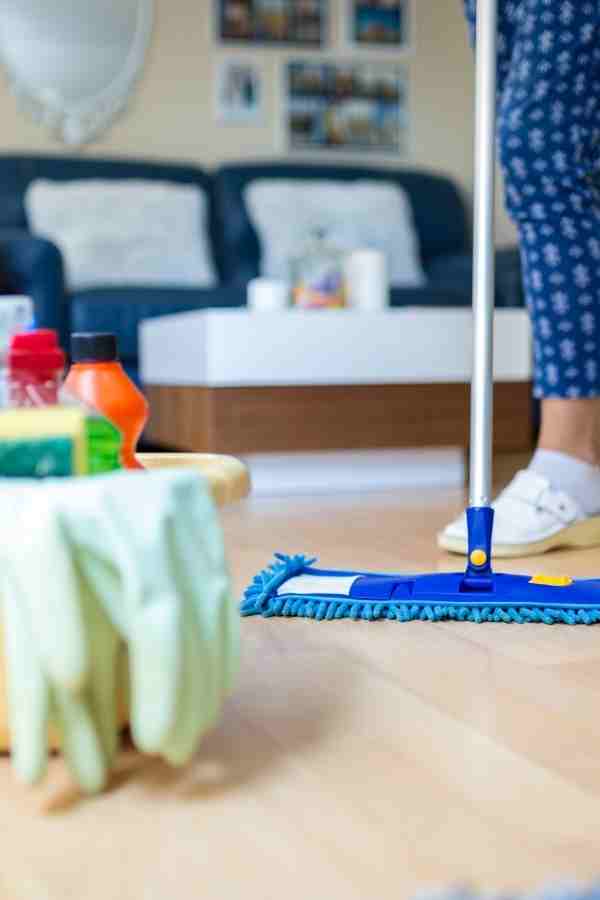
(73, 63)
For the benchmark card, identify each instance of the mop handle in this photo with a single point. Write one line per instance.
(480, 476)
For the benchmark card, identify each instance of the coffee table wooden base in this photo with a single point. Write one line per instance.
(284, 419)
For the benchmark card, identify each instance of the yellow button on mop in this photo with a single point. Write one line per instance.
(552, 580)
(478, 557)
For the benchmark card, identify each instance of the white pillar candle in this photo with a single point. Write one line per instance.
(268, 295)
(366, 277)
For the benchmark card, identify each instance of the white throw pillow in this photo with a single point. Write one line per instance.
(354, 215)
(125, 232)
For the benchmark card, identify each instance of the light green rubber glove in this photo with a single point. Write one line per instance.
(132, 557)
(151, 548)
(56, 673)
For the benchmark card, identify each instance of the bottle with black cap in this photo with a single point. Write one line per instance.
(98, 379)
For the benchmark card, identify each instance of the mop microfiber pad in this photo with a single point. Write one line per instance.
(292, 587)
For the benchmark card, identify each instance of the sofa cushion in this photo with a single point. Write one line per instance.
(18, 171)
(352, 217)
(121, 310)
(437, 206)
(124, 231)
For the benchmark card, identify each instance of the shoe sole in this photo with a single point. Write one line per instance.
(574, 537)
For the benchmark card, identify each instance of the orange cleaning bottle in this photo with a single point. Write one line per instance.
(98, 379)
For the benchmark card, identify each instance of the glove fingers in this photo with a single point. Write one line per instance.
(209, 582)
(211, 635)
(27, 692)
(231, 632)
(198, 699)
(89, 525)
(81, 744)
(103, 691)
(148, 617)
(200, 690)
(104, 645)
(155, 672)
(52, 600)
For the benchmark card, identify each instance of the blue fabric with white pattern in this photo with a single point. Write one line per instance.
(549, 146)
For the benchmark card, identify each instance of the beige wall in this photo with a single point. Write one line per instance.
(172, 112)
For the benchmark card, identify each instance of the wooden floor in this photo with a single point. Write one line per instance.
(355, 760)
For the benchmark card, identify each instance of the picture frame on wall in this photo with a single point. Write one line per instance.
(239, 92)
(379, 24)
(303, 23)
(347, 106)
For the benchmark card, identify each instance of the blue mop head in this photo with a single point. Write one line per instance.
(292, 587)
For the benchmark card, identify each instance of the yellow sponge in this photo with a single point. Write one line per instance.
(56, 441)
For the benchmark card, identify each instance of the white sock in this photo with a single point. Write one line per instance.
(579, 479)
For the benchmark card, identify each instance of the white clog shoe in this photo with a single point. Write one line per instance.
(530, 517)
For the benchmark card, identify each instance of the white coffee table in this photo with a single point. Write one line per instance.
(233, 381)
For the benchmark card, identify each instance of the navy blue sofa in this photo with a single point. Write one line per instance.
(32, 265)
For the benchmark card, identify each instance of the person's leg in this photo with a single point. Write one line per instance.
(548, 133)
(549, 130)
(568, 450)
(571, 427)
(549, 138)
(507, 19)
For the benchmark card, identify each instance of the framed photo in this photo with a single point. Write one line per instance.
(378, 24)
(239, 91)
(300, 22)
(347, 106)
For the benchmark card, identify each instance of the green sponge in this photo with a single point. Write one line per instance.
(55, 441)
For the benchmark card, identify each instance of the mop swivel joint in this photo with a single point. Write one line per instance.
(478, 575)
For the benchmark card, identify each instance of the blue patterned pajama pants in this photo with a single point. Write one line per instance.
(549, 146)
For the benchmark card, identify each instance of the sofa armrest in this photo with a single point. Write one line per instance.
(509, 279)
(34, 266)
(455, 272)
(451, 272)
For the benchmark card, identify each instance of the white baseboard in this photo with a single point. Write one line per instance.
(338, 472)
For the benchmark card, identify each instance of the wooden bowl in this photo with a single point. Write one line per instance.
(227, 476)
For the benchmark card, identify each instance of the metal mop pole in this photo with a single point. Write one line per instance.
(480, 476)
